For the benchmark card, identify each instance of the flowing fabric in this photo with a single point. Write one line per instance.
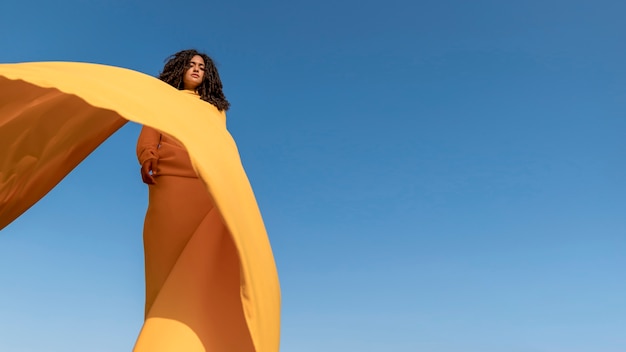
(219, 292)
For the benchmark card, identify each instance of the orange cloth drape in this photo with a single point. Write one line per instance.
(52, 115)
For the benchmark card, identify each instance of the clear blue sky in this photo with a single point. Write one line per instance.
(435, 176)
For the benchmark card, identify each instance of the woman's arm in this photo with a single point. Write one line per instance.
(147, 144)
(147, 153)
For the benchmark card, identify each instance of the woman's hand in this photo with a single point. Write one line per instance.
(148, 171)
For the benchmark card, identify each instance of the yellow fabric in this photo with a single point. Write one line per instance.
(53, 114)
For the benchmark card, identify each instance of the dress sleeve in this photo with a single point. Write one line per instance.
(147, 144)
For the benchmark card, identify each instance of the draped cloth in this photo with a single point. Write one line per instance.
(54, 114)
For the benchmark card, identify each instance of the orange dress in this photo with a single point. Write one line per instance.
(211, 281)
(199, 294)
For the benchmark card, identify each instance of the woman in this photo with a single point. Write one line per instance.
(191, 264)
(54, 114)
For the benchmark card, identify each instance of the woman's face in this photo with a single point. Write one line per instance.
(194, 75)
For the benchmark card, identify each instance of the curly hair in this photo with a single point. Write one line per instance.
(210, 90)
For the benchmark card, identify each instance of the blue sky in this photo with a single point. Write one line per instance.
(434, 175)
